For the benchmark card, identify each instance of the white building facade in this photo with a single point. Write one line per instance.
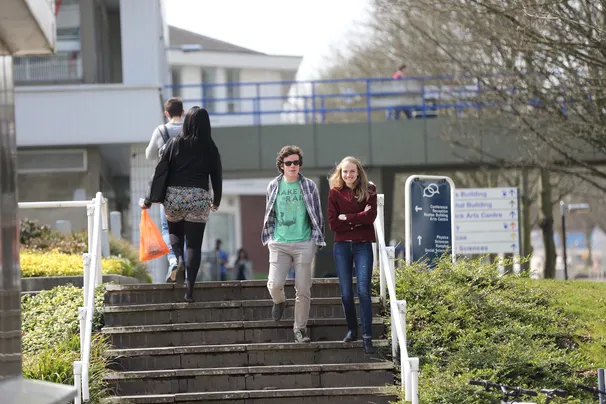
(85, 114)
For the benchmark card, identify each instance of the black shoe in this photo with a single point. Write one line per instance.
(368, 348)
(189, 292)
(278, 311)
(350, 336)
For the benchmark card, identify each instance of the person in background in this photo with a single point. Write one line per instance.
(173, 110)
(352, 209)
(221, 259)
(181, 183)
(243, 266)
(293, 229)
(400, 73)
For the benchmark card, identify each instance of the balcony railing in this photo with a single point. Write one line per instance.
(47, 69)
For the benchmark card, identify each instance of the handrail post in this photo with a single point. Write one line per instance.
(381, 219)
(78, 381)
(313, 102)
(391, 255)
(414, 381)
(257, 105)
(368, 104)
(90, 211)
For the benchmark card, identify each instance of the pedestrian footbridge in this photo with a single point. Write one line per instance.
(416, 123)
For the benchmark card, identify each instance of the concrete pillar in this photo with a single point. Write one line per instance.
(324, 265)
(143, 64)
(10, 281)
(384, 179)
(89, 41)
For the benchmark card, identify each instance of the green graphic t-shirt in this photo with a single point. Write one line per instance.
(292, 221)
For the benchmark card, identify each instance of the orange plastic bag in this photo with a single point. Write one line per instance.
(151, 243)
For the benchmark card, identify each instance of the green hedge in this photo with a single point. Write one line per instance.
(467, 322)
(37, 239)
(51, 338)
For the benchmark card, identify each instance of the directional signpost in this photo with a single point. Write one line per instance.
(429, 217)
(487, 221)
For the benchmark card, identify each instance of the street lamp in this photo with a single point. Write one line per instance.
(570, 207)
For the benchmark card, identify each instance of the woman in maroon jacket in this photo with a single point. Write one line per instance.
(352, 209)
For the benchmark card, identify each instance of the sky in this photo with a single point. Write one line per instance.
(284, 27)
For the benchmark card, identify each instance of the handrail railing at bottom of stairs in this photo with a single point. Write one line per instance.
(98, 223)
(409, 367)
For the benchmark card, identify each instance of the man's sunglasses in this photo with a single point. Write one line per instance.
(290, 163)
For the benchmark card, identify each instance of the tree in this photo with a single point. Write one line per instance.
(538, 66)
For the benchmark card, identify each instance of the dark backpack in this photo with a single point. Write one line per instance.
(165, 137)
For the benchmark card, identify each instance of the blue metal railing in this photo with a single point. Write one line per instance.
(338, 99)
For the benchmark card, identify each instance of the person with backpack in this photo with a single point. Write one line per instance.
(173, 110)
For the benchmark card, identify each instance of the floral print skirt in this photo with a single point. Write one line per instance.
(187, 203)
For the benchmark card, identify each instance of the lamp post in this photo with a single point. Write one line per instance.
(570, 207)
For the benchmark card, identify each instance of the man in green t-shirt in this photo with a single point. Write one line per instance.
(293, 229)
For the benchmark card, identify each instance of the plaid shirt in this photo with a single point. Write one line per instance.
(311, 196)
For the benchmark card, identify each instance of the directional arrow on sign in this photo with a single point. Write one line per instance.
(419, 238)
(512, 203)
(512, 192)
(513, 225)
(513, 247)
(512, 214)
(418, 208)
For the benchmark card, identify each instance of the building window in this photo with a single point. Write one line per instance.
(52, 161)
(208, 89)
(175, 73)
(233, 90)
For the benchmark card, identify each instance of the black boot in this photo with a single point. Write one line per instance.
(189, 292)
(350, 336)
(368, 348)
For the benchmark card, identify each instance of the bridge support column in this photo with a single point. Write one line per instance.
(325, 265)
(384, 179)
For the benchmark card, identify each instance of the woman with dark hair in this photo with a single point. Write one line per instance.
(181, 183)
(243, 266)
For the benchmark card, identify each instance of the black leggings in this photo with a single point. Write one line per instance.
(194, 233)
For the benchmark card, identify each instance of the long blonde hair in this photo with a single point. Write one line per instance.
(361, 189)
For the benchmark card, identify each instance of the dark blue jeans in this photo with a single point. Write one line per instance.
(347, 255)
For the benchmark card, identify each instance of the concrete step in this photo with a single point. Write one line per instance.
(338, 395)
(203, 312)
(234, 332)
(209, 291)
(177, 381)
(238, 355)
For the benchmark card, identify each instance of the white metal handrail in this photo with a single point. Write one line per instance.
(98, 221)
(397, 308)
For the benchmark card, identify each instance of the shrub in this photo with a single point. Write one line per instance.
(30, 229)
(123, 249)
(51, 339)
(37, 238)
(59, 264)
(467, 322)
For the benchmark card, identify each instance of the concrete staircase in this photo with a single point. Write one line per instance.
(225, 348)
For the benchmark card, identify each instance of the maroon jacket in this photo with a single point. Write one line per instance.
(359, 224)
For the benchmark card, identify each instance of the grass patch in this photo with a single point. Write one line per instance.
(51, 338)
(584, 303)
(465, 321)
